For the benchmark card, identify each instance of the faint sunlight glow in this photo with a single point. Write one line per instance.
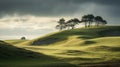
(27, 21)
(28, 25)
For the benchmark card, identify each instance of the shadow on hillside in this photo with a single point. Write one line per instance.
(102, 65)
(110, 32)
(45, 41)
(89, 33)
(105, 48)
(86, 43)
(11, 56)
(73, 52)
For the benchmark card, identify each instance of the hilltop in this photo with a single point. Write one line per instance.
(81, 33)
(97, 46)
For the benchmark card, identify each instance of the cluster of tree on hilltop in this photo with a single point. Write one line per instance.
(89, 21)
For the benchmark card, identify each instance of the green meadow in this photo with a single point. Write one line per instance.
(81, 47)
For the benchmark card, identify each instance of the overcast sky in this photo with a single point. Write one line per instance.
(33, 18)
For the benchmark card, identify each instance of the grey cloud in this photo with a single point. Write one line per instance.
(37, 7)
(49, 7)
(60, 7)
(108, 9)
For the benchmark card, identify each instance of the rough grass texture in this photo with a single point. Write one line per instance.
(11, 56)
(90, 47)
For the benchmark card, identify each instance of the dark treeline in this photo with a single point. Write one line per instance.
(89, 21)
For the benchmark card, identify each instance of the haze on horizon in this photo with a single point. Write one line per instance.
(34, 18)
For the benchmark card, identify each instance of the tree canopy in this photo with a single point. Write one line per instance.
(89, 20)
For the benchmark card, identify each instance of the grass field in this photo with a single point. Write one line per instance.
(90, 47)
(11, 56)
(15, 41)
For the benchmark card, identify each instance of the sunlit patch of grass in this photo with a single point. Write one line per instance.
(79, 46)
(11, 56)
(14, 42)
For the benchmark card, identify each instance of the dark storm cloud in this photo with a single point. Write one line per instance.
(15, 26)
(37, 7)
(51, 7)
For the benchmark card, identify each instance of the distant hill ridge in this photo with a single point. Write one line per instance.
(83, 33)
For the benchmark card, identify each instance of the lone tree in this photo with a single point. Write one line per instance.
(98, 20)
(104, 22)
(72, 23)
(85, 20)
(61, 24)
(90, 19)
(23, 38)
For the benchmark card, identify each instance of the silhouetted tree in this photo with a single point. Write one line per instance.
(68, 24)
(72, 22)
(85, 20)
(90, 19)
(23, 38)
(61, 23)
(104, 22)
(98, 20)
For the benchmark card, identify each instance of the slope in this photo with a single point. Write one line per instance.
(97, 45)
(81, 33)
(11, 56)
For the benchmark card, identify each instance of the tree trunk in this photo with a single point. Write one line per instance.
(61, 27)
(89, 24)
(85, 24)
(73, 27)
(97, 24)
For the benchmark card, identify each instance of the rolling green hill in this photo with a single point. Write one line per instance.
(11, 56)
(85, 47)
(15, 41)
(81, 33)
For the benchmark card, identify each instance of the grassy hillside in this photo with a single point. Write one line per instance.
(11, 56)
(93, 47)
(81, 33)
(15, 41)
